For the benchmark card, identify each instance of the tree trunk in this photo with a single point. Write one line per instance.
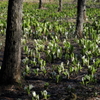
(40, 4)
(84, 11)
(60, 6)
(10, 70)
(80, 18)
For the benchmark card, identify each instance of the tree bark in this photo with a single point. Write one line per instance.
(80, 18)
(40, 4)
(60, 6)
(84, 11)
(10, 70)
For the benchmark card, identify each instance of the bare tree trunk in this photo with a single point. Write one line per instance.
(80, 18)
(84, 11)
(60, 6)
(40, 4)
(10, 70)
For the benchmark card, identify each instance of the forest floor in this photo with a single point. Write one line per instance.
(57, 91)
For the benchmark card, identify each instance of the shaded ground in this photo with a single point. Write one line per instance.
(57, 91)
